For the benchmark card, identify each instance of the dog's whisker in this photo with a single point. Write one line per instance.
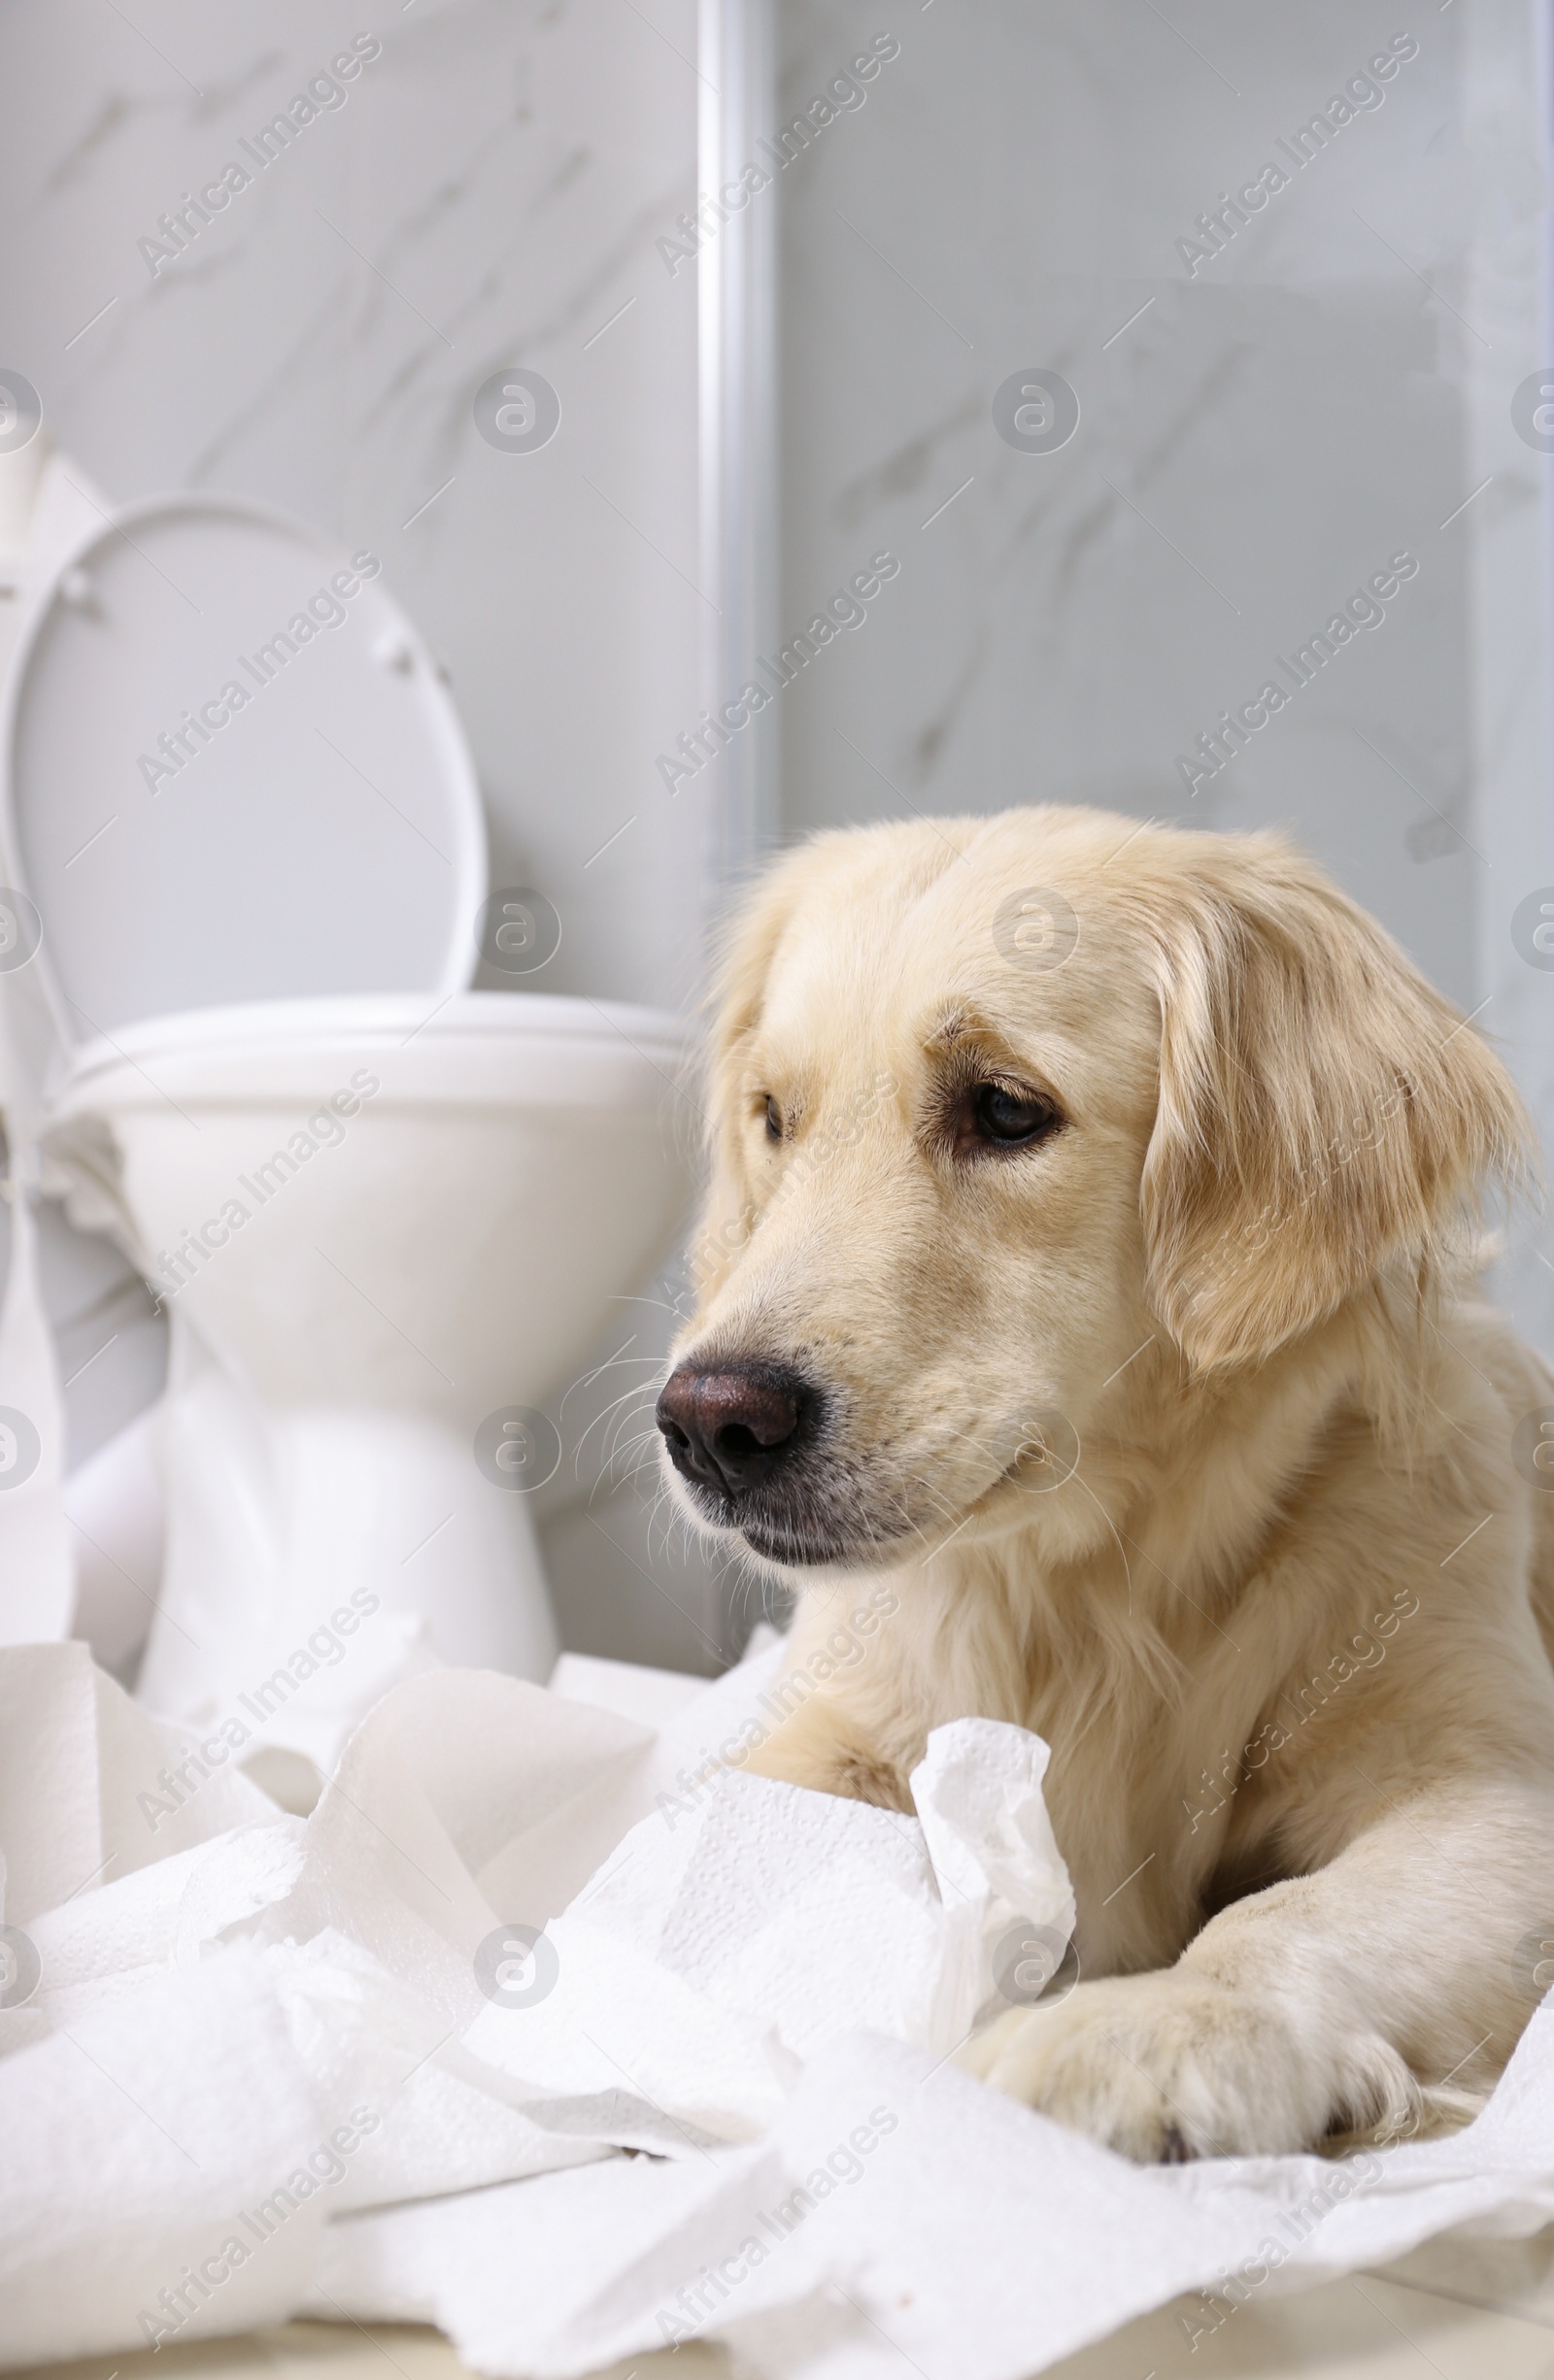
(586, 1380)
(647, 1437)
(614, 1403)
(618, 1444)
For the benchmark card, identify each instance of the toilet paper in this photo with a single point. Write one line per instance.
(546, 2027)
(37, 1579)
(963, 2233)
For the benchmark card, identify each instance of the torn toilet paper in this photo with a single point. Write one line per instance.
(544, 2029)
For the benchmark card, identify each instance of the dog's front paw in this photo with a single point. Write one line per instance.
(1162, 2067)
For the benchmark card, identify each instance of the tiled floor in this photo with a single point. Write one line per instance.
(1462, 2310)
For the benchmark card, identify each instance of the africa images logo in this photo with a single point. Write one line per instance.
(327, 609)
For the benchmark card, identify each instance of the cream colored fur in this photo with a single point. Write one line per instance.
(1234, 1276)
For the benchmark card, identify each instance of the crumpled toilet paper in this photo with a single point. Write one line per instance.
(524, 2033)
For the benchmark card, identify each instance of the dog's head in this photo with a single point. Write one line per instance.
(997, 1104)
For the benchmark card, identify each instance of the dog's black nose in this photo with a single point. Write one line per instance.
(732, 1427)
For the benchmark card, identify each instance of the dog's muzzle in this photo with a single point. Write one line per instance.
(759, 1447)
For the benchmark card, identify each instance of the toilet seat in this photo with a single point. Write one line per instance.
(229, 774)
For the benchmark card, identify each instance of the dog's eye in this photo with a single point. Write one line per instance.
(1009, 1119)
(774, 1121)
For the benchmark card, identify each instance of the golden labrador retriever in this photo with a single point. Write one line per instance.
(1089, 1214)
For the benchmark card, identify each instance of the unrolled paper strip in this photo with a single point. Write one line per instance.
(403, 2060)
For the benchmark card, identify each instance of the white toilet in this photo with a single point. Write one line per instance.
(387, 1215)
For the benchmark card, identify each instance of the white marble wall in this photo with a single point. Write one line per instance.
(490, 192)
(1267, 428)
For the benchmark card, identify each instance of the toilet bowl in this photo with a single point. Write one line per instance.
(385, 1214)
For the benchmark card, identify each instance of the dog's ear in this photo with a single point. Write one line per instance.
(1323, 1112)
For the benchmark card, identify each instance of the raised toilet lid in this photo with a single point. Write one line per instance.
(228, 772)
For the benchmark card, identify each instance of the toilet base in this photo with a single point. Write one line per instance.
(317, 1555)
